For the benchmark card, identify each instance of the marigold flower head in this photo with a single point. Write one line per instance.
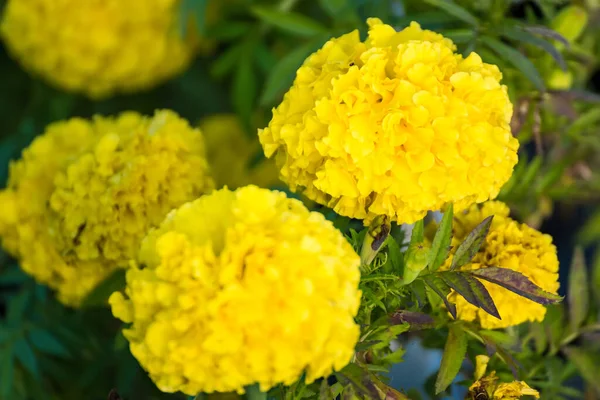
(238, 288)
(98, 47)
(396, 125)
(85, 193)
(508, 245)
(232, 154)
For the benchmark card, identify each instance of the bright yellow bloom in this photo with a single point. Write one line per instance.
(508, 245)
(396, 125)
(238, 288)
(98, 47)
(489, 385)
(235, 158)
(85, 193)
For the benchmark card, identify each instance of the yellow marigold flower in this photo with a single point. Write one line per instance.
(238, 288)
(508, 245)
(396, 125)
(98, 47)
(85, 193)
(489, 385)
(232, 154)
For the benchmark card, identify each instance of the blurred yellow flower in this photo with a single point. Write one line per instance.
(235, 158)
(85, 193)
(493, 390)
(508, 245)
(98, 47)
(396, 125)
(238, 288)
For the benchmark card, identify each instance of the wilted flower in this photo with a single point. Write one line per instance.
(238, 288)
(489, 386)
(235, 158)
(98, 47)
(397, 125)
(508, 245)
(85, 193)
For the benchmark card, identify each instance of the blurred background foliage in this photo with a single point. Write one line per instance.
(548, 51)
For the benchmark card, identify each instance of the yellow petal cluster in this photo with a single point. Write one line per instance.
(238, 288)
(85, 193)
(235, 158)
(511, 245)
(487, 387)
(396, 125)
(98, 47)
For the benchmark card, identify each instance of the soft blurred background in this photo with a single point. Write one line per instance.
(547, 49)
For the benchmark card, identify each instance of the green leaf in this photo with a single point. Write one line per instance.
(333, 7)
(26, 357)
(586, 363)
(452, 359)
(470, 246)
(7, 372)
(517, 283)
(98, 297)
(47, 343)
(517, 59)
(521, 34)
(417, 235)
(244, 89)
(578, 292)
(17, 306)
(440, 247)
(227, 61)
(288, 21)
(13, 275)
(455, 10)
(459, 36)
(253, 393)
(547, 32)
(284, 71)
(472, 290)
(229, 31)
(192, 11)
(416, 320)
(442, 290)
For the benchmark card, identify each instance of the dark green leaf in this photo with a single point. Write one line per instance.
(442, 290)
(7, 372)
(227, 61)
(244, 89)
(333, 7)
(47, 343)
(440, 247)
(229, 30)
(325, 391)
(452, 359)
(395, 257)
(253, 393)
(587, 364)
(455, 10)
(470, 246)
(578, 292)
(459, 36)
(289, 21)
(472, 290)
(26, 357)
(531, 170)
(13, 276)
(517, 59)
(357, 376)
(98, 297)
(417, 235)
(508, 358)
(284, 71)
(517, 283)
(17, 306)
(522, 35)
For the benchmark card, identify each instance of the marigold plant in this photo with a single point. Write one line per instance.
(238, 288)
(85, 193)
(98, 47)
(396, 125)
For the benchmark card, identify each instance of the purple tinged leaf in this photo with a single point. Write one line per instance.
(547, 32)
(416, 320)
(510, 361)
(472, 290)
(517, 283)
(442, 290)
(578, 293)
(470, 246)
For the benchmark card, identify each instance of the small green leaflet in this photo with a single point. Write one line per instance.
(578, 293)
(470, 246)
(442, 290)
(452, 359)
(440, 247)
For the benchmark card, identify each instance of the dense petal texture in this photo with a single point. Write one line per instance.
(85, 193)
(396, 125)
(238, 288)
(235, 157)
(508, 245)
(97, 47)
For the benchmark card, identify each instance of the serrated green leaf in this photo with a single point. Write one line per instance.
(517, 59)
(284, 71)
(395, 257)
(521, 34)
(288, 21)
(47, 343)
(26, 357)
(442, 290)
(455, 10)
(472, 290)
(517, 283)
(98, 297)
(586, 363)
(440, 247)
(578, 292)
(470, 246)
(452, 359)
